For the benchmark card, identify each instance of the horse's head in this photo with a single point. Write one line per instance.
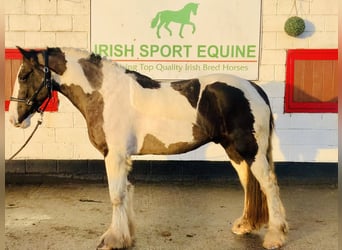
(193, 7)
(31, 85)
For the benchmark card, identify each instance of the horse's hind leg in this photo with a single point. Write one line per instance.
(121, 231)
(249, 220)
(277, 226)
(262, 202)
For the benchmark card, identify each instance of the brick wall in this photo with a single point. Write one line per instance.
(63, 135)
(300, 137)
(321, 32)
(41, 23)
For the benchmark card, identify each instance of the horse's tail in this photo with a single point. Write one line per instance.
(256, 203)
(155, 20)
(269, 148)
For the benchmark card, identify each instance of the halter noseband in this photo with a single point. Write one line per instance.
(47, 82)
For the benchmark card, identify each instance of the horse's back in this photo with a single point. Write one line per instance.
(246, 86)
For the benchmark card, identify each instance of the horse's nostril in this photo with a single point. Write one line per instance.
(14, 122)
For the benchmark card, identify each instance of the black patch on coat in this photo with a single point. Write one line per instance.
(144, 81)
(189, 88)
(224, 114)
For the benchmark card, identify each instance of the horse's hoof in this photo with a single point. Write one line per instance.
(242, 226)
(102, 246)
(111, 240)
(274, 239)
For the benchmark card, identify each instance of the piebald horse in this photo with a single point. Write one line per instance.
(128, 113)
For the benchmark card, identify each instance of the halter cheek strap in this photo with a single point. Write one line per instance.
(48, 83)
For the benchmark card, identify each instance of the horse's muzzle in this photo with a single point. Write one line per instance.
(24, 124)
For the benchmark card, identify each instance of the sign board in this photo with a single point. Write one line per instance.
(168, 39)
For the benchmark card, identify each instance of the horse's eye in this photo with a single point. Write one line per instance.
(23, 80)
(24, 77)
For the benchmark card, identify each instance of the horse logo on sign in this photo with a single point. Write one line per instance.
(182, 16)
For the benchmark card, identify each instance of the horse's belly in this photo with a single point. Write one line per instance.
(165, 137)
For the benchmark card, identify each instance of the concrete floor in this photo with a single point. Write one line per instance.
(168, 216)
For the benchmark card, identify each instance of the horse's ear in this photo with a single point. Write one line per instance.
(26, 54)
(30, 57)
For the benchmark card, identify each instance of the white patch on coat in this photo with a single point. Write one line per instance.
(161, 103)
(13, 107)
(74, 73)
(117, 112)
(163, 113)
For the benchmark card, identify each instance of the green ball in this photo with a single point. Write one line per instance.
(294, 26)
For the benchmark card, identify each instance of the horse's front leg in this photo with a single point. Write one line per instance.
(166, 26)
(121, 231)
(193, 27)
(181, 31)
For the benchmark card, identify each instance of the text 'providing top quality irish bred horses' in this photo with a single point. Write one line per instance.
(128, 113)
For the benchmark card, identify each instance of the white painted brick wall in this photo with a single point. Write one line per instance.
(38, 39)
(64, 23)
(77, 7)
(299, 137)
(40, 7)
(34, 151)
(80, 23)
(279, 74)
(60, 150)
(86, 151)
(266, 72)
(58, 120)
(56, 23)
(14, 7)
(79, 121)
(72, 39)
(44, 23)
(24, 22)
(325, 7)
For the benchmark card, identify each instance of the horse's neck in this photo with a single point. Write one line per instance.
(188, 9)
(76, 87)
